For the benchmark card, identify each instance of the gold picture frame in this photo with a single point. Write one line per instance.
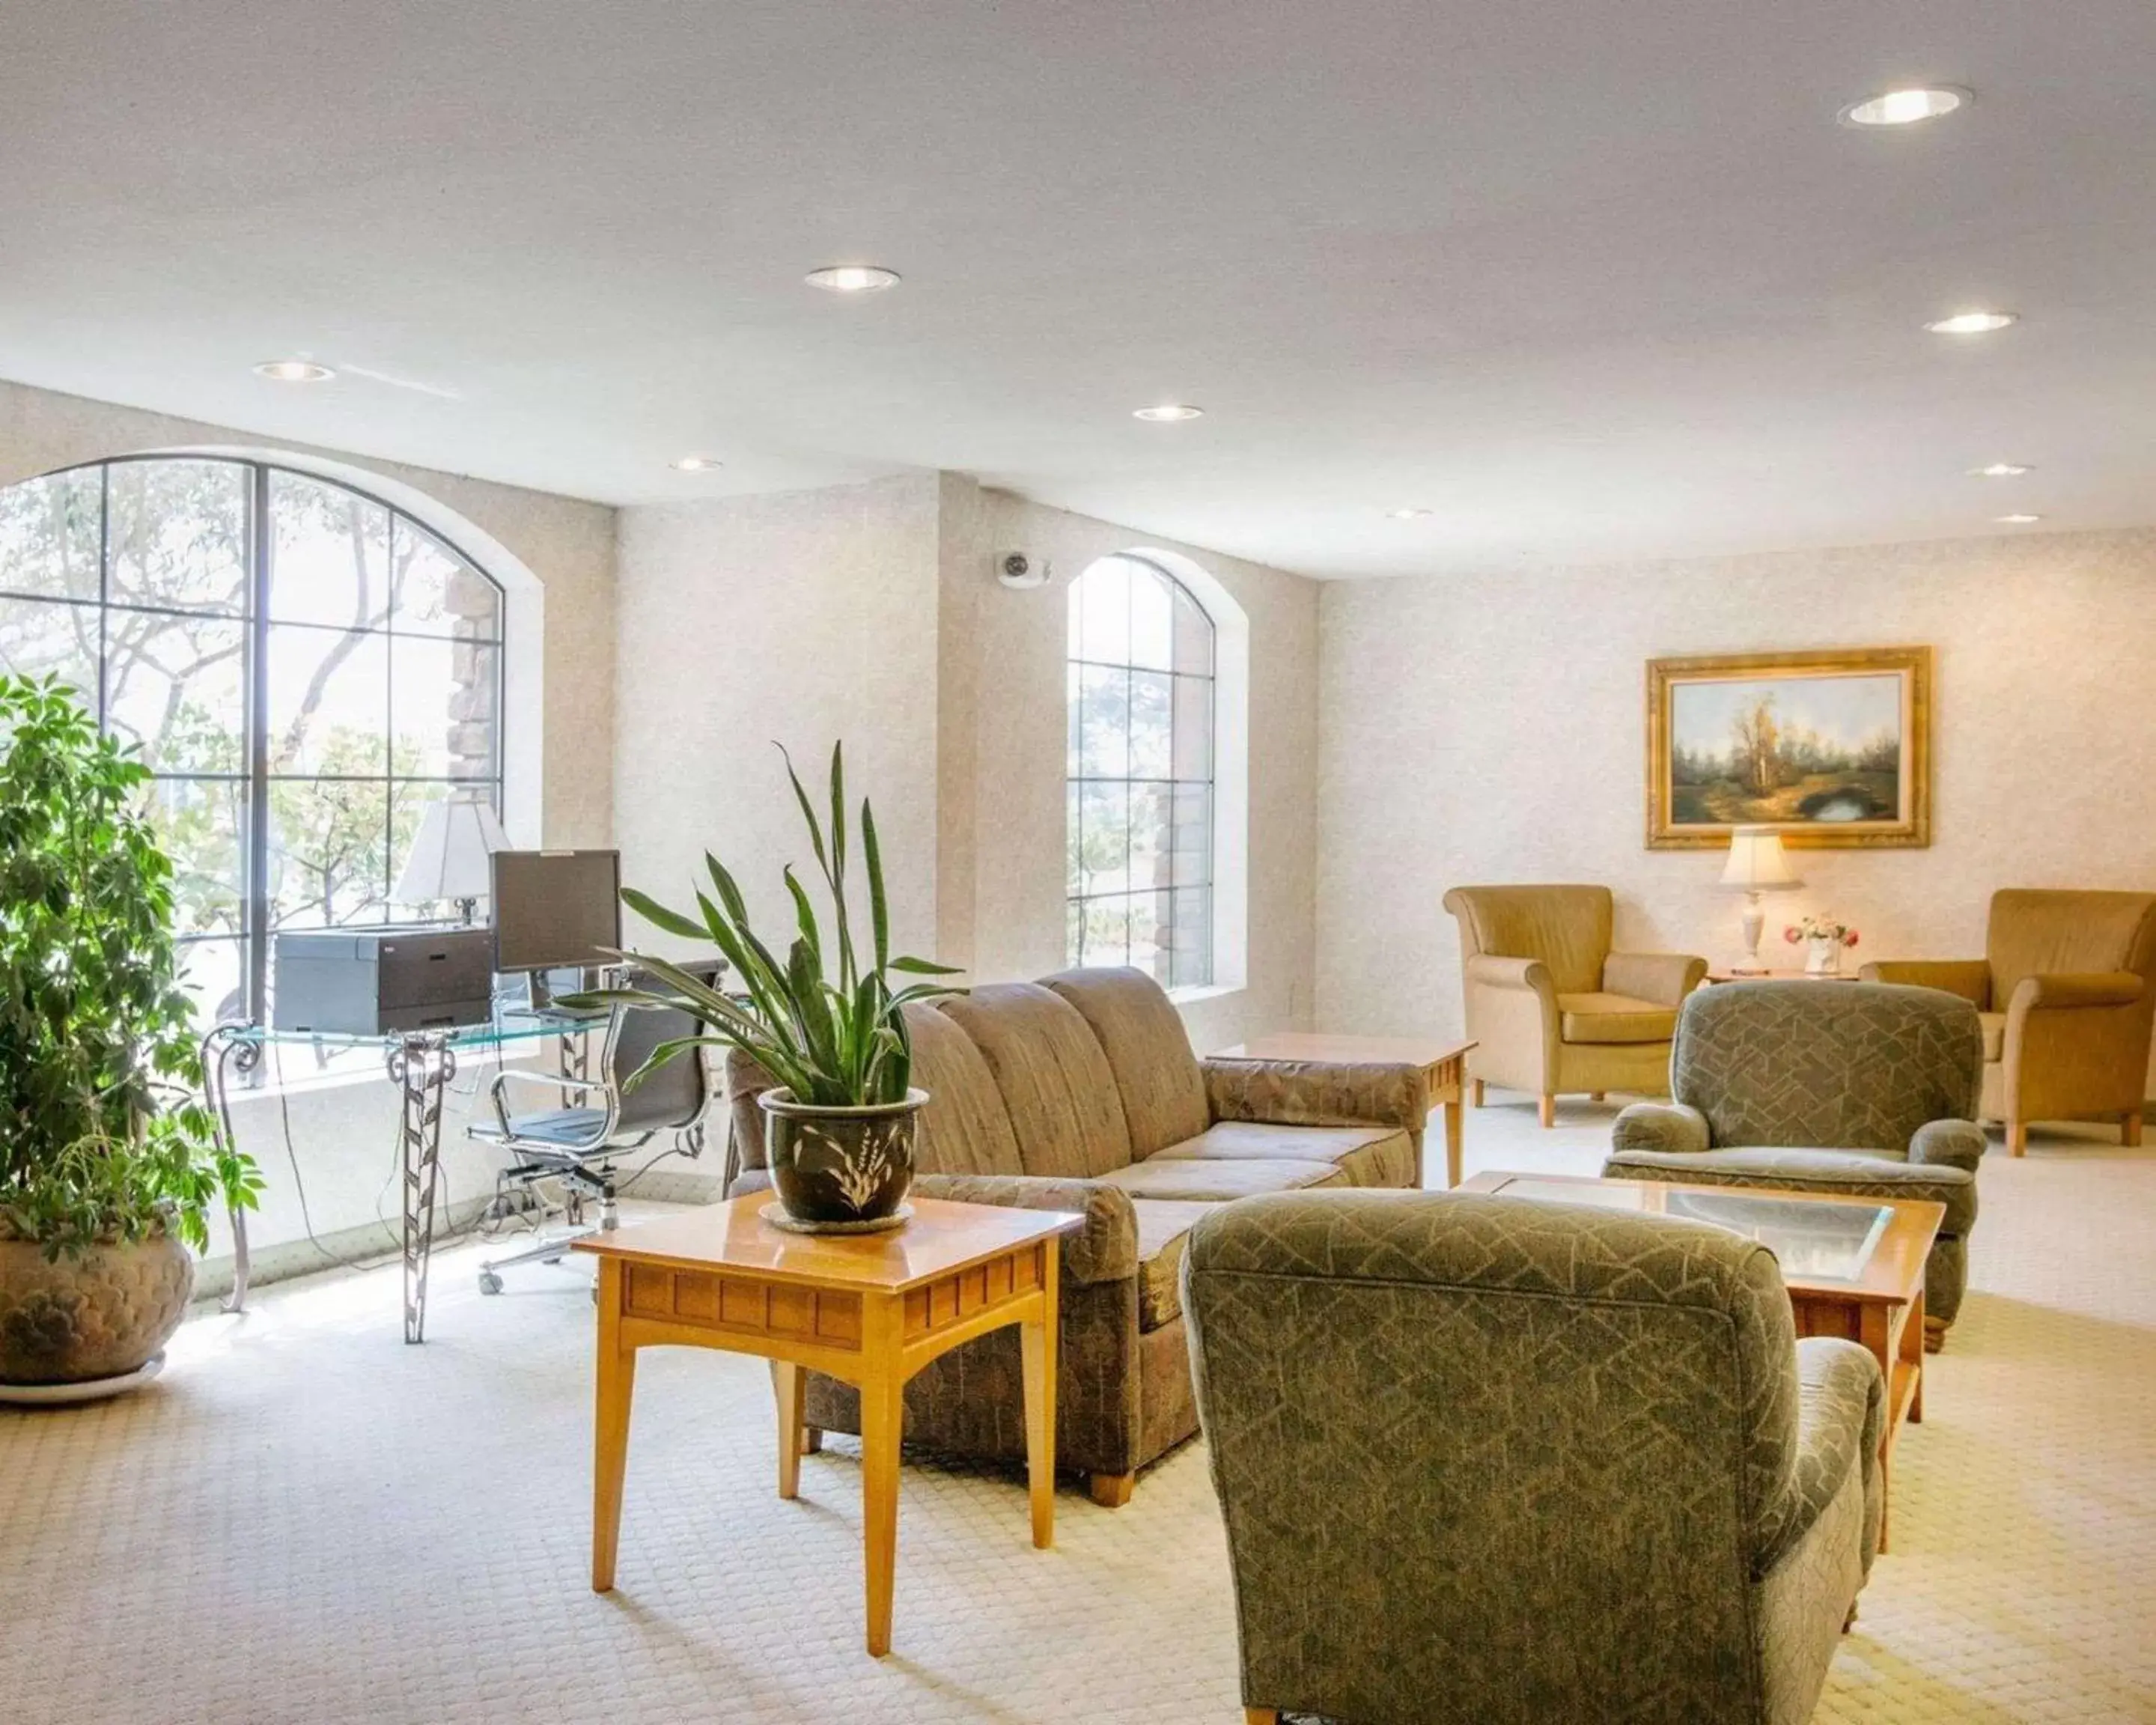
(1828, 748)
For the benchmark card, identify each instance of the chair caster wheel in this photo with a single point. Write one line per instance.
(489, 1282)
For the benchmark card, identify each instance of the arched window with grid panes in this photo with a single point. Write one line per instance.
(1140, 688)
(302, 666)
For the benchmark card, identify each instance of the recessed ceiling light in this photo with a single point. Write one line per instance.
(2016, 521)
(1973, 323)
(1905, 107)
(294, 370)
(852, 279)
(696, 464)
(2001, 469)
(1167, 412)
(1409, 514)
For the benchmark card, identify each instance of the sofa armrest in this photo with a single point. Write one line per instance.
(1841, 1415)
(1105, 1249)
(1968, 978)
(1949, 1144)
(1318, 1092)
(2087, 988)
(1663, 978)
(1669, 1127)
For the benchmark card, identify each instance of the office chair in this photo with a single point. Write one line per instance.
(577, 1145)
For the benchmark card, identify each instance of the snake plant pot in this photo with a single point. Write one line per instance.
(86, 1319)
(840, 1170)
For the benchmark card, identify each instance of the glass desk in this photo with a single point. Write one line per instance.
(1814, 1239)
(420, 1062)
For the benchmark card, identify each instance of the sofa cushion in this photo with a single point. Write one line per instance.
(1055, 1082)
(1993, 1026)
(1164, 1226)
(1219, 1180)
(965, 1129)
(1600, 1017)
(1143, 1037)
(1369, 1155)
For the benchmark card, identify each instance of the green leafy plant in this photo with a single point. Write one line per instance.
(834, 1040)
(103, 1138)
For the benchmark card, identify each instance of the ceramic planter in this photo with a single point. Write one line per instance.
(1822, 956)
(840, 1170)
(80, 1320)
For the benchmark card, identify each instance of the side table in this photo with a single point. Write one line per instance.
(869, 1309)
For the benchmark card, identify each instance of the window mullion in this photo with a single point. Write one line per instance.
(258, 746)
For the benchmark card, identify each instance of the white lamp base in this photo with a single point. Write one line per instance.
(1753, 921)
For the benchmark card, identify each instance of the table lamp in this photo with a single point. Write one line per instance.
(450, 855)
(1756, 864)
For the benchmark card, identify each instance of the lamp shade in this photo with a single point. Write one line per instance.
(1757, 861)
(450, 854)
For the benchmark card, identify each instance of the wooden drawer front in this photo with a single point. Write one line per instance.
(1818, 1317)
(743, 1306)
(955, 1298)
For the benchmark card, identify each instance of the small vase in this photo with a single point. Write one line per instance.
(1822, 956)
(840, 1170)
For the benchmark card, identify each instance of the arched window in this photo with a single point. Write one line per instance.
(1140, 769)
(302, 666)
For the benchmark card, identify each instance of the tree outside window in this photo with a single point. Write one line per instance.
(302, 667)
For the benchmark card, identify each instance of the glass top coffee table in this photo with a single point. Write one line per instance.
(1853, 1266)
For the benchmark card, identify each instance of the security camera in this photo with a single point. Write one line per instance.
(1019, 570)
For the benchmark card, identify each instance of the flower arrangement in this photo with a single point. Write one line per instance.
(1820, 928)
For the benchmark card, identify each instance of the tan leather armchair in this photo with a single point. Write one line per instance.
(1555, 1012)
(2066, 995)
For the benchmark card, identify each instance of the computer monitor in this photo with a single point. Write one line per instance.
(556, 910)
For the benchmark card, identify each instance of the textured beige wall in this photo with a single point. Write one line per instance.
(567, 543)
(803, 618)
(1491, 728)
(1018, 648)
(872, 612)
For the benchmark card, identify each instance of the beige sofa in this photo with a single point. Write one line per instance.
(1555, 1012)
(2066, 993)
(1081, 1092)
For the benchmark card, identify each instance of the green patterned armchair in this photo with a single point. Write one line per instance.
(1488, 1462)
(1868, 1089)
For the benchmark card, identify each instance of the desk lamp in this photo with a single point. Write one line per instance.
(449, 855)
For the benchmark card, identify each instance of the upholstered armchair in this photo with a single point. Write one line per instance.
(1818, 1087)
(2066, 993)
(1488, 1462)
(1553, 1009)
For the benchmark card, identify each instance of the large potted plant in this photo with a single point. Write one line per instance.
(825, 1022)
(108, 1159)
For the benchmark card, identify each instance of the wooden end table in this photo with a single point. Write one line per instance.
(1880, 1304)
(1443, 1063)
(869, 1309)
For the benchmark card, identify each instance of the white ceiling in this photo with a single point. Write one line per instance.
(1591, 281)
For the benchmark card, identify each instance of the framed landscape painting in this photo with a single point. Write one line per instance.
(1826, 748)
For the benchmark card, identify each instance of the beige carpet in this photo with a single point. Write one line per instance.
(305, 1521)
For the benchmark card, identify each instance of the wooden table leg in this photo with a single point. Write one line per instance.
(1876, 1327)
(1037, 1345)
(1453, 1169)
(790, 1389)
(1913, 1350)
(883, 1420)
(617, 1384)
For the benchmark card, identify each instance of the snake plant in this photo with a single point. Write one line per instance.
(824, 1022)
